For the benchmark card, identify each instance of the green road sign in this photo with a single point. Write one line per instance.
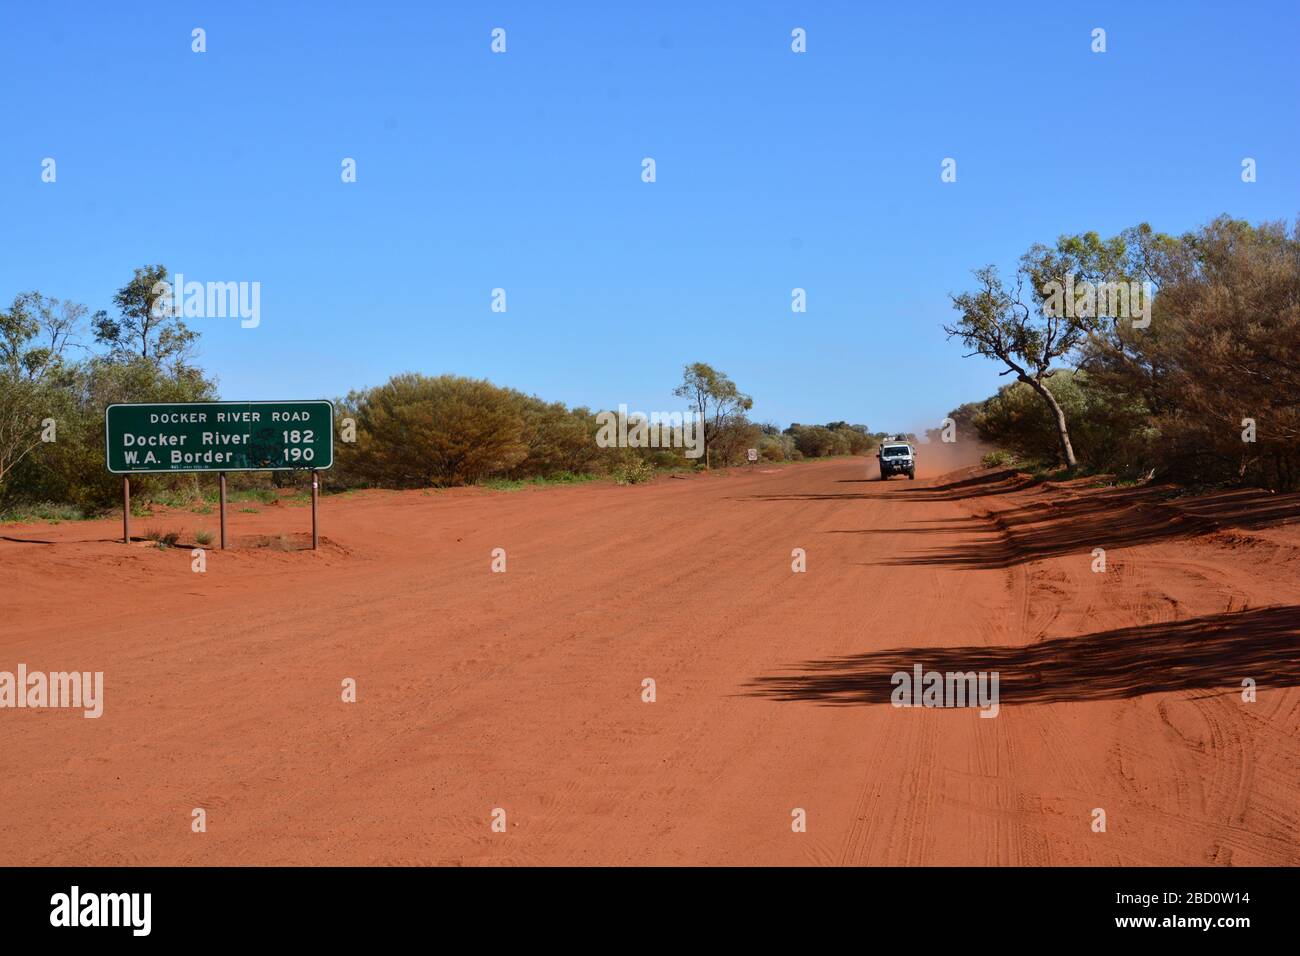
(219, 436)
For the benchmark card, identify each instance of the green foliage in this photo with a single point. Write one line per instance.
(1037, 322)
(776, 446)
(633, 471)
(997, 459)
(413, 431)
(52, 408)
(557, 440)
(721, 406)
(146, 326)
(732, 438)
(50, 511)
(837, 438)
(812, 441)
(72, 467)
(1223, 345)
(517, 484)
(417, 431)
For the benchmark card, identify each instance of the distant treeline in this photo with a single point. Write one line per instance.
(1207, 393)
(417, 431)
(60, 367)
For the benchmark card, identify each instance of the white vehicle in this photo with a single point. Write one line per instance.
(897, 456)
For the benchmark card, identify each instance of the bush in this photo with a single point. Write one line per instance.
(164, 539)
(633, 471)
(813, 441)
(557, 440)
(71, 469)
(775, 447)
(417, 431)
(1223, 345)
(837, 438)
(998, 459)
(731, 439)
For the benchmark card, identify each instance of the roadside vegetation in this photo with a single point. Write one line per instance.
(417, 431)
(1207, 393)
(60, 367)
(1204, 390)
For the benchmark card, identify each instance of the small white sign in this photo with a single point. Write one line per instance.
(753, 454)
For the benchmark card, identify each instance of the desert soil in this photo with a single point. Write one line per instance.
(1121, 689)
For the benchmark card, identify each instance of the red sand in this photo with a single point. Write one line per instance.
(1120, 690)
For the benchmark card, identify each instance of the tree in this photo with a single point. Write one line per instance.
(1223, 346)
(1017, 421)
(1207, 391)
(21, 414)
(812, 441)
(715, 398)
(35, 333)
(145, 325)
(72, 469)
(732, 438)
(1029, 336)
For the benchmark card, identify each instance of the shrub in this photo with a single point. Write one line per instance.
(418, 431)
(164, 539)
(775, 447)
(997, 459)
(819, 441)
(633, 471)
(813, 441)
(1223, 345)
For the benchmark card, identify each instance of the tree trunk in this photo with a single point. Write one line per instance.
(1062, 430)
(704, 437)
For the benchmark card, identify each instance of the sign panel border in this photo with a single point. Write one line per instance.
(213, 471)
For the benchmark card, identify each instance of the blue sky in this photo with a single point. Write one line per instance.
(522, 171)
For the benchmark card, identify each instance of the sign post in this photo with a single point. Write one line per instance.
(220, 437)
(315, 486)
(222, 479)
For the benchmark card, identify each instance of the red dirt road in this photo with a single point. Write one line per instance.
(477, 690)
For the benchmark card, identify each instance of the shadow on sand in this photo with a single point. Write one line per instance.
(1214, 652)
(1117, 518)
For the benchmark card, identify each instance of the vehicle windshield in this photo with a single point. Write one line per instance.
(898, 452)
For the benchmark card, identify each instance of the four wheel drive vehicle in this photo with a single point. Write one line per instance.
(897, 458)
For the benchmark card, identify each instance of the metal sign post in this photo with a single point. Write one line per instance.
(126, 509)
(315, 493)
(222, 477)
